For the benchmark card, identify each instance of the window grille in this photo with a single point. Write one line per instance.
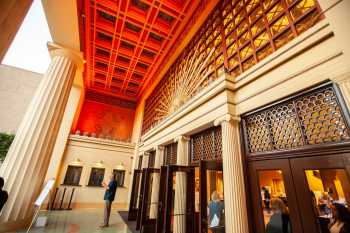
(310, 119)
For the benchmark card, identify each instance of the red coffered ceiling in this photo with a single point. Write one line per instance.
(125, 41)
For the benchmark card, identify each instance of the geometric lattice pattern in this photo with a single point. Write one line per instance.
(313, 118)
(206, 43)
(242, 33)
(206, 145)
(170, 154)
(321, 118)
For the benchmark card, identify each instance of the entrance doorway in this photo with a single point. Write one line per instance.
(167, 218)
(135, 195)
(211, 197)
(145, 222)
(296, 195)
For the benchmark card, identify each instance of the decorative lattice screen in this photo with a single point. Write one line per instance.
(309, 119)
(240, 33)
(170, 154)
(206, 145)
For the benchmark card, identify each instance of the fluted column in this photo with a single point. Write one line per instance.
(181, 186)
(76, 94)
(28, 158)
(156, 180)
(344, 85)
(236, 218)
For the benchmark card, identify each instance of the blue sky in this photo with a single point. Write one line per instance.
(28, 50)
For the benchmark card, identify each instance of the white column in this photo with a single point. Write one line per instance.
(181, 186)
(236, 218)
(27, 161)
(64, 131)
(156, 180)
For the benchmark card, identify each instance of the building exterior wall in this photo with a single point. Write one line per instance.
(17, 87)
(91, 152)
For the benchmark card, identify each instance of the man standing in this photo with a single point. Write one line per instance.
(111, 189)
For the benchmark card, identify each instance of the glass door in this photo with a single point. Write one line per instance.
(212, 211)
(320, 182)
(299, 194)
(135, 192)
(274, 198)
(162, 199)
(168, 219)
(147, 222)
(140, 199)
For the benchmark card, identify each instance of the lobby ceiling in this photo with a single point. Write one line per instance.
(126, 41)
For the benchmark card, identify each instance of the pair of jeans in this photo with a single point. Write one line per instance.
(107, 212)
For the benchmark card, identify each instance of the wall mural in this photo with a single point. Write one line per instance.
(106, 121)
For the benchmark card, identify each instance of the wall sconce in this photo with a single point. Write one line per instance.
(76, 161)
(120, 167)
(99, 164)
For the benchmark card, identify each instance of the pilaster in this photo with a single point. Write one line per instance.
(236, 218)
(181, 185)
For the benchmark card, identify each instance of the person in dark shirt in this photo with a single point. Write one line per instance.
(3, 194)
(109, 196)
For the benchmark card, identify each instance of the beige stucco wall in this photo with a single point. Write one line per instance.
(17, 87)
(90, 151)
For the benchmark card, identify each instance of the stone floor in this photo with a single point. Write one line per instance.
(81, 221)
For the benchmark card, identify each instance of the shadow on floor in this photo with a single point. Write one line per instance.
(131, 224)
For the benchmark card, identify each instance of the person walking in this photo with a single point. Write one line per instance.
(3, 194)
(109, 196)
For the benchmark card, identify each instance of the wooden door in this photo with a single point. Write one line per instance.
(162, 199)
(272, 179)
(314, 177)
(165, 221)
(142, 191)
(148, 224)
(135, 192)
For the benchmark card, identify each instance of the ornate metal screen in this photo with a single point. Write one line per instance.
(235, 36)
(310, 119)
(206, 145)
(170, 154)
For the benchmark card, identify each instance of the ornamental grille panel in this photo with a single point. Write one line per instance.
(206, 145)
(312, 118)
(234, 37)
(170, 154)
(151, 159)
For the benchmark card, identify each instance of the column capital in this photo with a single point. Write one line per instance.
(159, 148)
(59, 50)
(226, 118)
(181, 138)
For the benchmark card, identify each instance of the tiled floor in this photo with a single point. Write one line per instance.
(81, 221)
